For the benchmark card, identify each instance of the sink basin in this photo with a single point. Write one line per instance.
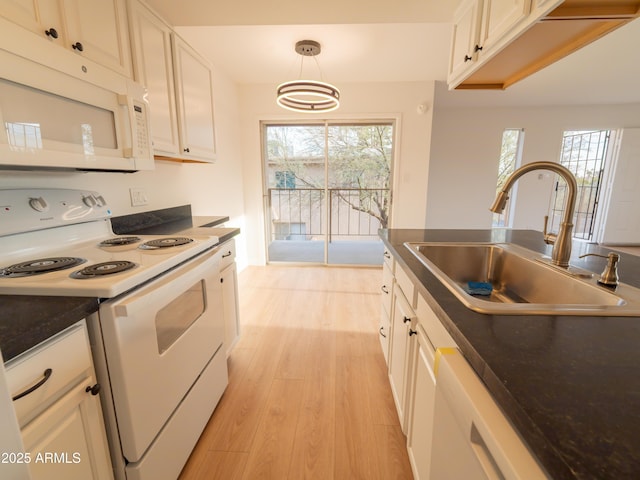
(523, 283)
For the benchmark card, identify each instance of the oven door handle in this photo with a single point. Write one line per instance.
(192, 271)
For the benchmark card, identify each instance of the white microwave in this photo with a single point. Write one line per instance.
(53, 118)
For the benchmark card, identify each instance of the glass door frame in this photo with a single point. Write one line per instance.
(392, 120)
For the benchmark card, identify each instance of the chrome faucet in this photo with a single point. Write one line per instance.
(562, 240)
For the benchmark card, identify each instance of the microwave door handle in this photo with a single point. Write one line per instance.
(127, 102)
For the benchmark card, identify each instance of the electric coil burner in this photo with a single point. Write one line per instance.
(166, 242)
(40, 266)
(104, 268)
(119, 241)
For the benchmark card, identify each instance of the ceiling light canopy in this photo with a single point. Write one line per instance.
(308, 95)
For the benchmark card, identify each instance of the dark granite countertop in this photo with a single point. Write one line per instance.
(27, 320)
(569, 384)
(163, 221)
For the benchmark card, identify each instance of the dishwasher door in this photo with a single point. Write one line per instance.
(472, 439)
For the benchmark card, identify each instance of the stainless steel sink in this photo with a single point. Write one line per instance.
(522, 281)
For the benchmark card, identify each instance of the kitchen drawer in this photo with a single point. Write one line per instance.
(228, 250)
(387, 289)
(66, 354)
(437, 334)
(389, 260)
(406, 285)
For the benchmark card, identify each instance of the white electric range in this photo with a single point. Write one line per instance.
(157, 340)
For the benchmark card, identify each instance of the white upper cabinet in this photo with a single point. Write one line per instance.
(153, 67)
(94, 29)
(466, 34)
(498, 18)
(195, 102)
(179, 84)
(479, 28)
(516, 38)
(101, 28)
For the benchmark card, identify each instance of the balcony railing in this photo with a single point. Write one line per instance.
(301, 214)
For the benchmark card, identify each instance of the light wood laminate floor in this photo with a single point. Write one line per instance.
(308, 393)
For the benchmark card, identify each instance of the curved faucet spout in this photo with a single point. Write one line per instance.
(562, 241)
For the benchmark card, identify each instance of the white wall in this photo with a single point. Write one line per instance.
(466, 147)
(369, 100)
(211, 189)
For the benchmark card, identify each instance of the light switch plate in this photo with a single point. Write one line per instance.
(138, 197)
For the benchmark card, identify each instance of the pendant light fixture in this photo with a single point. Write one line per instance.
(308, 95)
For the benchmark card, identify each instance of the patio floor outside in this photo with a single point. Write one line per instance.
(341, 252)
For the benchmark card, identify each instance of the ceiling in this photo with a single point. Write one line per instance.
(380, 41)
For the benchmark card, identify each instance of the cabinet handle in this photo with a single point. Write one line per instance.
(477, 48)
(228, 254)
(467, 58)
(386, 255)
(406, 319)
(47, 374)
(382, 330)
(222, 280)
(384, 289)
(412, 332)
(94, 390)
(187, 150)
(77, 46)
(52, 32)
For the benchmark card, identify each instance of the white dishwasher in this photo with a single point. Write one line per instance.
(472, 439)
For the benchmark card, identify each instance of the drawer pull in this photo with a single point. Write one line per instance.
(406, 319)
(412, 332)
(384, 289)
(47, 374)
(94, 390)
(228, 254)
(382, 332)
(386, 255)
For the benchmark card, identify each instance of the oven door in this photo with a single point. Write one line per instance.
(157, 341)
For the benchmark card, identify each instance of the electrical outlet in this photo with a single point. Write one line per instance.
(138, 197)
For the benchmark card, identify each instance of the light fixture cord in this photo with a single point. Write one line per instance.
(319, 69)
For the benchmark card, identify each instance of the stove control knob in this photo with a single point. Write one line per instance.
(89, 200)
(39, 204)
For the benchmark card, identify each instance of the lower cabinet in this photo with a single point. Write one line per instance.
(421, 408)
(229, 280)
(55, 398)
(402, 327)
(384, 330)
(66, 441)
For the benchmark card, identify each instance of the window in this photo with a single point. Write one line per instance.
(510, 155)
(583, 153)
(285, 179)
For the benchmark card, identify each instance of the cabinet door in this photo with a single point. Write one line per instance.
(38, 16)
(194, 97)
(498, 18)
(401, 323)
(465, 38)
(423, 383)
(73, 430)
(100, 27)
(229, 280)
(153, 67)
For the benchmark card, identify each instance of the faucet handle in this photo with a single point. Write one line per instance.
(609, 276)
(549, 238)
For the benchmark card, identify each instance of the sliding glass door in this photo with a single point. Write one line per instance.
(327, 191)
